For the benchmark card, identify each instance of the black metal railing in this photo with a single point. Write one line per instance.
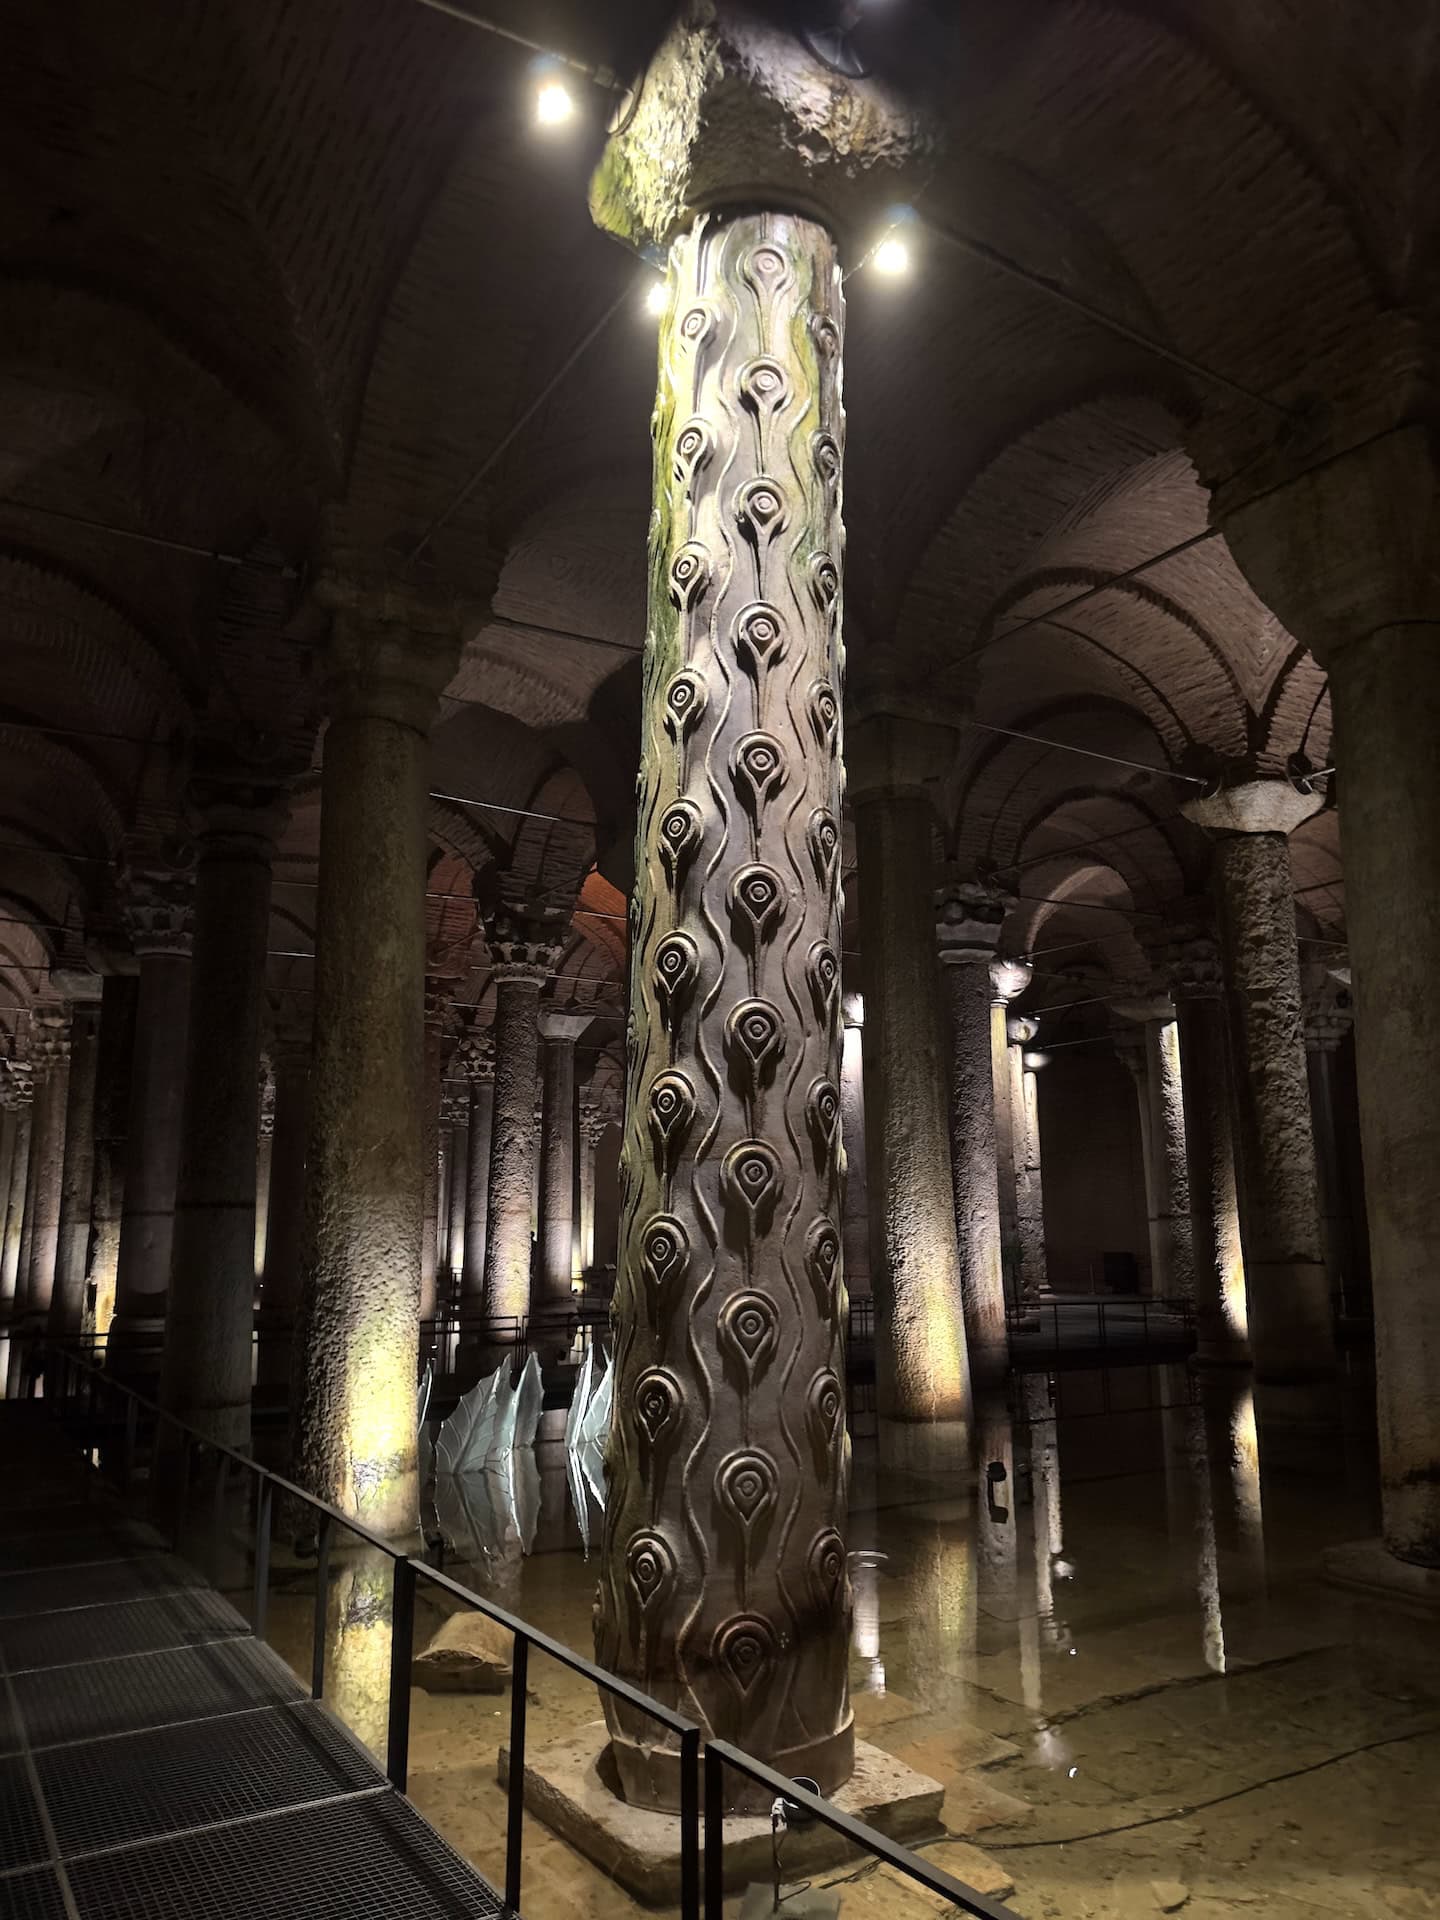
(71, 1379)
(1089, 1323)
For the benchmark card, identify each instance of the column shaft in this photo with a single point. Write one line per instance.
(557, 1171)
(47, 1164)
(67, 1303)
(357, 1343)
(1029, 1178)
(430, 1138)
(458, 1197)
(1387, 714)
(285, 1219)
(477, 1194)
(1167, 1136)
(512, 1142)
(1289, 1307)
(209, 1325)
(856, 1224)
(119, 999)
(1221, 1322)
(723, 1577)
(15, 1207)
(975, 1157)
(922, 1366)
(152, 1144)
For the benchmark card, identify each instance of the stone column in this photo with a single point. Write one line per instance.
(723, 1578)
(595, 1121)
(205, 1377)
(522, 963)
(157, 909)
(1291, 1333)
(476, 1058)
(1327, 1018)
(285, 1217)
(922, 1365)
(1156, 1068)
(67, 1302)
(119, 1000)
(1009, 977)
(1128, 1044)
(1025, 1133)
(437, 1007)
(264, 1167)
(855, 1226)
(457, 1109)
(8, 1108)
(1192, 962)
(357, 1342)
(559, 1031)
(50, 1058)
(21, 1087)
(969, 916)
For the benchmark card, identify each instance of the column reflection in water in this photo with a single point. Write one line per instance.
(1042, 1627)
(865, 1619)
(357, 1654)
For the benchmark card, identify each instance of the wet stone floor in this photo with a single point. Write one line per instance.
(1115, 1650)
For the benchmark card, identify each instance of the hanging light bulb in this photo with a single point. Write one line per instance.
(554, 103)
(891, 257)
(655, 298)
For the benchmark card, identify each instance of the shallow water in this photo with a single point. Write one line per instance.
(1112, 1645)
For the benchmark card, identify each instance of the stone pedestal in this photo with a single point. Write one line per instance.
(157, 905)
(969, 917)
(1291, 1333)
(205, 1377)
(922, 1365)
(67, 1302)
(1192, 962)
(357, 1343)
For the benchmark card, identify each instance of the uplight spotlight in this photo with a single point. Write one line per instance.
(554, 103)
(891, 257)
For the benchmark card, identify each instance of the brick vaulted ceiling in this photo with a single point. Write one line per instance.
(284, 271)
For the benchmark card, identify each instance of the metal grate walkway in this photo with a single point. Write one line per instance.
(158, 1760)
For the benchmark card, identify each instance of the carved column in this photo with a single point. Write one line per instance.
(476, 1057)
(119, 1000)
(593, 1122)
(1192, 961)
(285, 1219)
(523, 960)
(67, 1302)
(723, 1583)
(1154, 1061)
(968, 917)
(922, 1364)
(855, 1226)
(21, 1087)
(1009, 977)
(438, 994)
(205, 1377)
(1291, 1332)
(157, 904)
(559, 1031)
(1025, 1136)
(357, 1344)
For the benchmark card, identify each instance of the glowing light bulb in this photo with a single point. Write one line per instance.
(554, 103)
(891, 257)
(655, 298)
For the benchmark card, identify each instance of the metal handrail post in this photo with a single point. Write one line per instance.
(402, 1653)
(714, 1835)
(515, 1807)
(322, 1609)
(690, 1824)
(264, 1510)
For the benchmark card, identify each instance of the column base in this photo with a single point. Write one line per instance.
(571, 1786)
(929, 1447)
(1369, 1567)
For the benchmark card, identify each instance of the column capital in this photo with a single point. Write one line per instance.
(157, 903)
(454, 1105)
(1142, 1001)
(17, 1084)
(1253, 806)
(523, 946)
(1009, 977)
(49, 1038)
(237, 815)
(393, 647)
(1326, 1010)
(969, 916)
(1129, 1046)
(475, 1053)
(561, 1027)
(735, 112)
